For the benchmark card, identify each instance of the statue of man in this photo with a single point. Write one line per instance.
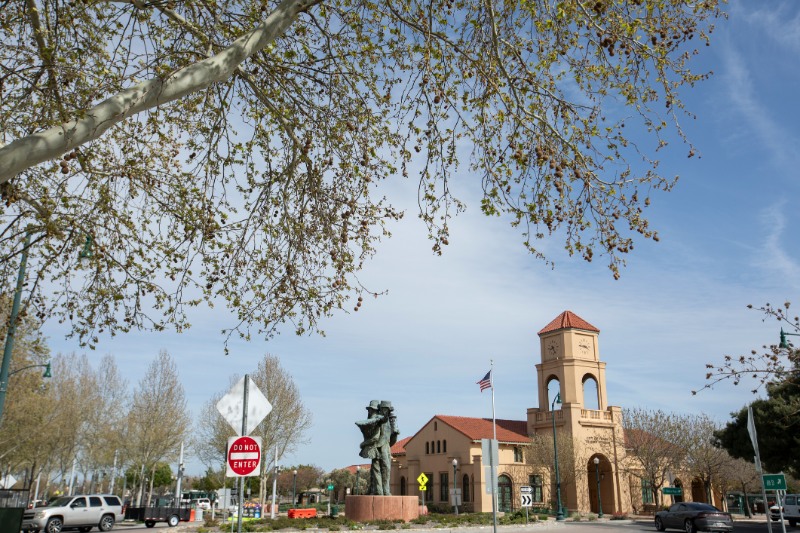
(380, 433)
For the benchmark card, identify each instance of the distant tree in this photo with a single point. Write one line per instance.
(740, 475)
(232, 152)
(777, 423)
(705, 458)
(342, 480)
(541, 455)
(655, 443)
(283, 428)
(770, 363)
(159, 419)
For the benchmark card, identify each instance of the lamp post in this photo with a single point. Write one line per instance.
(12, 323)
(358, 471)
(559, 511)
(455, 497)
(294, 488)
(596, 461)
(784, 343)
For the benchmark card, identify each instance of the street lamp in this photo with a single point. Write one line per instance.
(358, 471)
(455, 497)
(294, 488)
(12, 323)
(46, 374)
(559, 511)
(784, 343)
(596, 461)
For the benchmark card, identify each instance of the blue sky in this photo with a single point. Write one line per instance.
(728, 238)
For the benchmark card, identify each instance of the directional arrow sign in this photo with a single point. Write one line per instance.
(231, 406)
(527, 500)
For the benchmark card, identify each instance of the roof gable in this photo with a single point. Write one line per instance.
(568, 320)
(481, 428)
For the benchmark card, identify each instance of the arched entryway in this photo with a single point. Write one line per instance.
(600, 471)
(504, 492)
(402, 486)
(699, 491)
(677, 497)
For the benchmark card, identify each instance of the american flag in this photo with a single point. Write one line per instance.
(486, 382)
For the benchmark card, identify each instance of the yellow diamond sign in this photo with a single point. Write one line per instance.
(422, 480)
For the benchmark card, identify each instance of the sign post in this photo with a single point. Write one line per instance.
(422, 479)
(525, 494)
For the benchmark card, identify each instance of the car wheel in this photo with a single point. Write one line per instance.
(659, 524)
(173, 520)
(150, 524)
(106, 523)
(688, 526)
(54, 525)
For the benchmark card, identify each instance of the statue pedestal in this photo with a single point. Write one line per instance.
(370, 508)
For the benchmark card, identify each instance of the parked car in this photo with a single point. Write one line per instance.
(203, 503)
(81, 512)
(693, 517)
(791, 509)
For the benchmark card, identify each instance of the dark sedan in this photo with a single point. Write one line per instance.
(692, 517)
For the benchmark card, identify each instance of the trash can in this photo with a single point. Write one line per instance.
(198, 514)
(334, 511)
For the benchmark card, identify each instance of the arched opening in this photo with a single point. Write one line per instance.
(591, 397)
(699, 491)
(465, 488)
(402, 485)
(553, 391)
(438, 446)
(505, 489)
(677, 497)
(444, 446)
(600, 485)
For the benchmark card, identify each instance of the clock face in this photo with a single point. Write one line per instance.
(585, 345)
(552, 346)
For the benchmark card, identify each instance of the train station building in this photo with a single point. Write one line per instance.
(589, 434)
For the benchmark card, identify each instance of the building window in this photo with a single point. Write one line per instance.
(443, 487)
(444, 446)
(535, 481)
(518, 454)
(438, 446)
(465, 488)
(427, 448)
(647, 491)
(429, 487)
(403, 486)
(435, 425)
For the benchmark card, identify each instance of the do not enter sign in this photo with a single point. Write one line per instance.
(244, 456)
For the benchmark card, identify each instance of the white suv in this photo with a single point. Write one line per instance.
(81, 512)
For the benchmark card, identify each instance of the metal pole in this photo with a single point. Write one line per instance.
(180, 479)
(244, 432)
(294, 489)
(274, 484)
(455, 496)
(560, 511)
(114, 475)
(12, 324)
(597, 476)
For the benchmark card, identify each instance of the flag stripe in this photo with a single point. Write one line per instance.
(486, 382)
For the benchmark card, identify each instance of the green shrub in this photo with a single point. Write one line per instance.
(576, 517)
(619, 516)
(543, 516)
(591, 517)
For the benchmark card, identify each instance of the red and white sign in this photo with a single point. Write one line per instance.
(244, 456)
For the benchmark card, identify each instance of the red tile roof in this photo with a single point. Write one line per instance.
(399, 447)
(568, 320)
(481, 428)
(352, 468)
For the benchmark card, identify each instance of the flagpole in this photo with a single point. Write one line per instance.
(492, 466)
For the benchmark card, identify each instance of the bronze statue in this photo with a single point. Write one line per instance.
(380, 434)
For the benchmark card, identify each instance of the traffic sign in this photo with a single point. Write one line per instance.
(527, 500)
(244, 456)
(526, 490)
(675, 491)
(330, 487)
(231, 406)
(422, 480)
(774, 481)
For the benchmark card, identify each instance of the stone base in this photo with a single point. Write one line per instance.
(371, 508)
